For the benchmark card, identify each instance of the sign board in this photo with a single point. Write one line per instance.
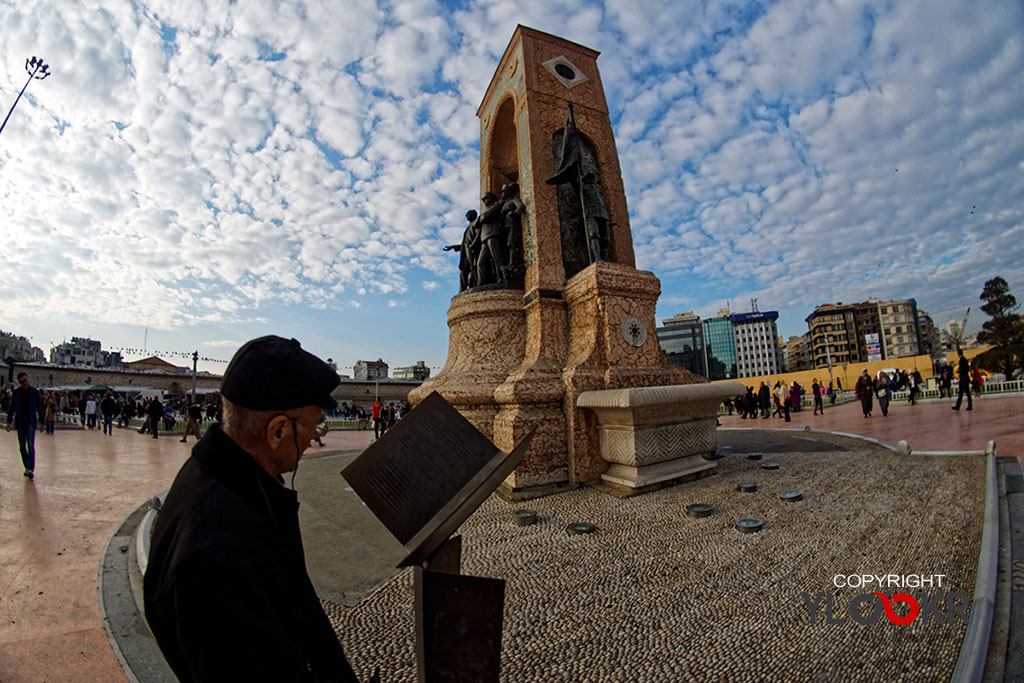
(874, 346)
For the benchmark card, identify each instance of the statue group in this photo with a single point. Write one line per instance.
(491, 251)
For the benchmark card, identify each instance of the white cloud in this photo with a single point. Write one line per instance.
(314, 156)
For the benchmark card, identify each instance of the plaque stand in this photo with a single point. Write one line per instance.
(423, 479)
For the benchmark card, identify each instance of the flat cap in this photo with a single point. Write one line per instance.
(273, 373)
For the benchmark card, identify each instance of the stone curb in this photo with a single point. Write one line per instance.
(120, 594)
(970, 666)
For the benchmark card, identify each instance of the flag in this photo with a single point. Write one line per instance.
(569, 164)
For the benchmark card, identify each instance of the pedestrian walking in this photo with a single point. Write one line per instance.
(50, 410)
(156, 413)
(195, 416)
(764, 400)
(819, 406)
(25, 412)
(865, 391)
(882, 393)
(375, 412)
(964, 370)
(109, 409)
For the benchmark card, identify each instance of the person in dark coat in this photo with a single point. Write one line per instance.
(764, 400)
(865, 391)
(964, 370)
(227, 595)
(155, 411)
(25, 412)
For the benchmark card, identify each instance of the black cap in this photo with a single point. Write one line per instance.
(273, 373)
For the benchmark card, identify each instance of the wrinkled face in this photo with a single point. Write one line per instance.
(299, 433)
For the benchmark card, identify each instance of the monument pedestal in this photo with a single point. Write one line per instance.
(486, 338)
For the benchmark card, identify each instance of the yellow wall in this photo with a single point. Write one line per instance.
(847, 373)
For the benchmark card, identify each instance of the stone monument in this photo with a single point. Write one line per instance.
(524, 348)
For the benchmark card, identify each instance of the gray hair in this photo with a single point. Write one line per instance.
(249, 424)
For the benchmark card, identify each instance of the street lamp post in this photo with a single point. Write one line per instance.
(828, 357)
(36, 69)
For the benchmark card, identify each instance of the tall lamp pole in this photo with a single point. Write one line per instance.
(36, 69)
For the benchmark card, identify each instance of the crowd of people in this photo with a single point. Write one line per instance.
(102, 411)
(780, 400)
(383, 415)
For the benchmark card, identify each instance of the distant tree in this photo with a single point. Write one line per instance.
(1005, 331)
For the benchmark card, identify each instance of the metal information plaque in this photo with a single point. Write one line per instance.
(427, 474)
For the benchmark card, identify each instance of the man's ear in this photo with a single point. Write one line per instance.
(276, 431)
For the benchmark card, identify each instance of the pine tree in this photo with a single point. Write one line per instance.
(1005, 330)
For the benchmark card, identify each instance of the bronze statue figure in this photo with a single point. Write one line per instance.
(597, 218)
(491, 252)
(512, 209)
(468, 252)
(492, 238)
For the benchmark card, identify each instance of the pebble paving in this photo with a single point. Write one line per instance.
(656, 595)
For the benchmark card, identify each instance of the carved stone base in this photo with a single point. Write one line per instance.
(639, 477)
(656, 435)
(613, 488)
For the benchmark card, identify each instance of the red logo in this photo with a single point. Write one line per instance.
(890, 613)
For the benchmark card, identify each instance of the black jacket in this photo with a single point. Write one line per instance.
(227, 595)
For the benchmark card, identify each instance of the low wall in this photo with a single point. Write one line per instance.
(847, 373)
(350, 391)
(43, 376)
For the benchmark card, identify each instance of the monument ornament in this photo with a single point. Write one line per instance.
(512, 209)
(565, 71)
(634, 331)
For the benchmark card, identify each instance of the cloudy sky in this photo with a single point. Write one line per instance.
(194, 174)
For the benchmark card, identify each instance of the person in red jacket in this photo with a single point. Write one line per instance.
(375, 413)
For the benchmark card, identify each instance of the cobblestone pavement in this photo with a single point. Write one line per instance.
(657, 596)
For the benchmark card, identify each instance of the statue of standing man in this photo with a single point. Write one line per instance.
(492, 238)
(597, 226)
(468, 252)
(512, 209)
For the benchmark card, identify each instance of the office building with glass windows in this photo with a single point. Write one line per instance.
(721, 347)
(757, 343)
(682, 340)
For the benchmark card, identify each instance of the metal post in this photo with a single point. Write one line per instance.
(828, 357)
(37, 67)
(195, 360)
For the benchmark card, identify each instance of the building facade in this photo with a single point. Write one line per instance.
(370, 369)
(19, 348)
(833, 332)
(796, 354)
(901, 333)
(720, 347)
(756, 339)
(418, 372)
(931, 339)
(85, 351)
(682, 340)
